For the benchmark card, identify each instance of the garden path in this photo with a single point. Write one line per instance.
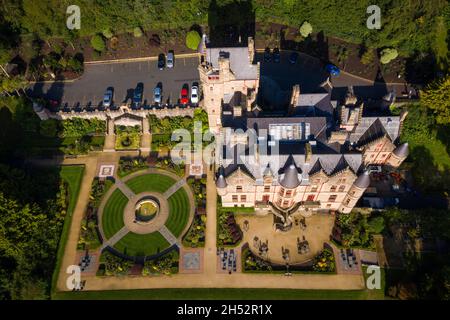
(115, 238)
(124, 188)
(174, 188)
(169, 236)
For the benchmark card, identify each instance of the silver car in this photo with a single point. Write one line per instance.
(170, 61)
(107, 98)
(157, 95)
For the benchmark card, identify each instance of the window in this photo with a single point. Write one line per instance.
(333, 189)
(235, 198)
(239, 189)
(316, 181)
(266, 188)
(285, 203)
(347, 202)
(314, 189)
(372, 156)
(288, 193)
(282, 191)
(211, 88)
(243, 198)
(266, 198)
(329, 205)
(332, 198)
(310, 197)
(341, 188)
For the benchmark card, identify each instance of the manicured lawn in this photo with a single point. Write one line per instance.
(179, 212)
(150, 182)
(217, 294)
(112, 219)
(142, 244)
(73, 175)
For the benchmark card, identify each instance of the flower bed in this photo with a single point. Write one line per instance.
(129, 165)
(165, 265)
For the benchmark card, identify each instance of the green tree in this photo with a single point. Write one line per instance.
(107, 33)
(387, 55)
(137, 32)
(436, 97)
(306, 29)
(376, 224)
(193, 40)
(98, 43)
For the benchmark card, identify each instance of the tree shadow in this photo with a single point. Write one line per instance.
(316, 46)
(230, 24)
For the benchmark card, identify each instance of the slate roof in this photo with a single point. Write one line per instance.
(372, 128)
(280, 157)
(239, 61)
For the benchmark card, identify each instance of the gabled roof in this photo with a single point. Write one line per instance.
(373, 128)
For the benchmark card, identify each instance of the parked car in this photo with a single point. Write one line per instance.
(276, 55)
(184, 99)
(267, 55)
(107, 98)
(332, 69)
(170, 59)
(161, 61)
(157, 95)
(137, 96)
(293, 58)
(194, 94)
(374, 169)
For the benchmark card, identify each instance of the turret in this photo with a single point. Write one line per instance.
(355, 192)
(398, 155)
(289, 179)
(221, 183)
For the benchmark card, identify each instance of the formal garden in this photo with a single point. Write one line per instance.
(195, 237)
(153, 243)
(127, 137)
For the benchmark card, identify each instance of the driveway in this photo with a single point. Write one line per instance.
(123, 78)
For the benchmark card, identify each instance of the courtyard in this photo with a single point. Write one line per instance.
(260, 231)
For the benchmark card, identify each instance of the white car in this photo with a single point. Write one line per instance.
(194, 94)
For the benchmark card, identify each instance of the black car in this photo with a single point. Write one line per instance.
(267, 55)
(276, 55)
(293, 58)
(137, 96)
(161, 61)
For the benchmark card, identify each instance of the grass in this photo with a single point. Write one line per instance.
(112, 219)
(375, 294)
(179, 212)
(134, 244)
(440, 47)
(150, 182)
(216, 294)
(73, 175)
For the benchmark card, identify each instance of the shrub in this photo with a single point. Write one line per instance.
(193, 40)
(367, 57)
(107, 33)
(49, 128)
(98, 43)
(324, 261)
(137, 32)
(387, 55)
(306, 29)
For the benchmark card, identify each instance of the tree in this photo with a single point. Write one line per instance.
(193, 40)
(107, 33)
(137, 32)
(437, 98)
(376, 225)
(367, 57)
(306, 29)
(387, 55)
(98, 43)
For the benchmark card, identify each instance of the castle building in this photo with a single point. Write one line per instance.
(314, 158)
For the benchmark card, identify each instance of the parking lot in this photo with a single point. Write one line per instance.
(123, 78)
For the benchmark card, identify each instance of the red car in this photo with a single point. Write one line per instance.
(184, 96)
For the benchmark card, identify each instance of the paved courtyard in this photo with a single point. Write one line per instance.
(317, 232)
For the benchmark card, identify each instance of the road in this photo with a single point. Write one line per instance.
(123, 77)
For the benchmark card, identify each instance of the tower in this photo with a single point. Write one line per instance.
(355, 192)
(398, 155)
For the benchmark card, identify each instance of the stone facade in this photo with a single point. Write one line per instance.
(311, 163)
